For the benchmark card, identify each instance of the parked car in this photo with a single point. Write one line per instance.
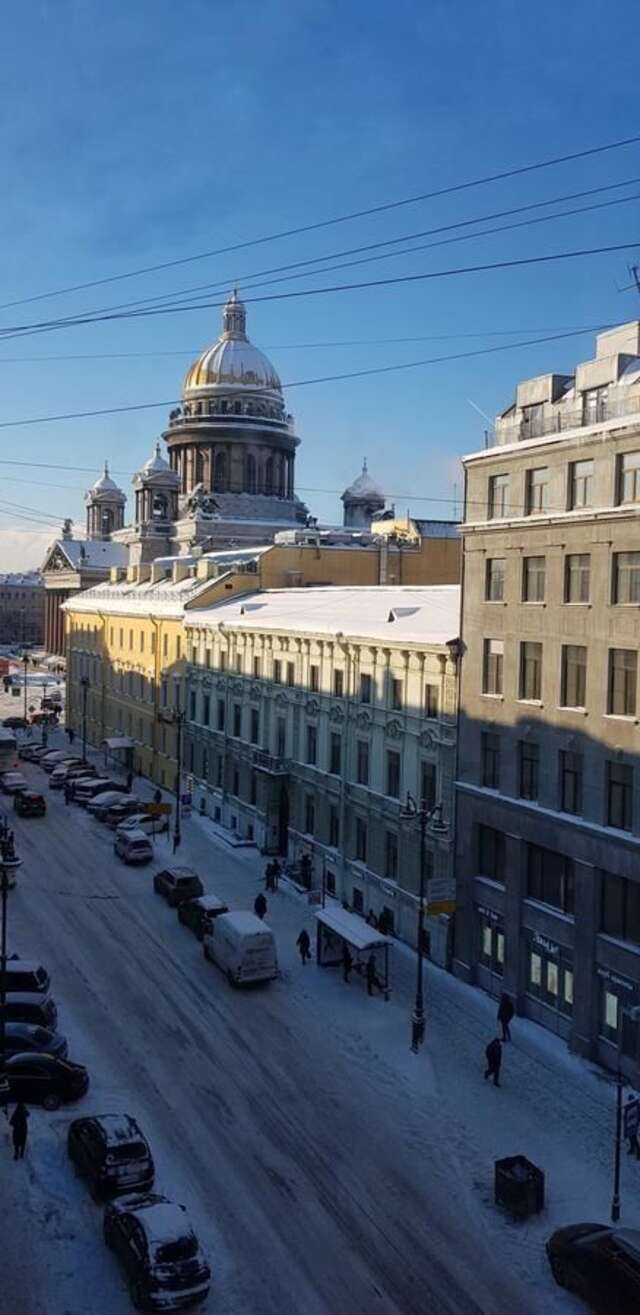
(156, 1245)
(15, 723)
(91, 789)
(133, 847)
(242, 947)
(147, 822)
(36, 1007)
(12, 782)
(52, 758)
(177, 884)
(103, 803)
(77, 772)
(30, 804)
(198, 914)
(31, 752)
(22, 1038)
(112, 1153)
(45, 1080)
(26, 975)
(600, 1263)
(44, 719)
(119, 811)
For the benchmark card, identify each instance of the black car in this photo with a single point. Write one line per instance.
(177, 884)
(26, 975)
(30, 804)
(159, 1250)
(34, 1007)
(24, 1038)
(599, 1263)
(198, 914)
(45, 1080)
(112, 1153)
(15, 723)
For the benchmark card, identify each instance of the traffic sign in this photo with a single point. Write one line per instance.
(631, 1117)
(158, 810)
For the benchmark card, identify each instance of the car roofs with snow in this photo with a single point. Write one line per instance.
(35, 1007)
(111, 1152)
(243, 947)
(198, 914)
(91, 789)
(177, 884)
(133, 846)
(156, 1245)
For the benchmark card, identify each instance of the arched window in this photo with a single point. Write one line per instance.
(159, 507)
(281, 476)
(199, 466)
(106, 520)
(220, 472)
(237, 406)
(250, 474)
(268, 476)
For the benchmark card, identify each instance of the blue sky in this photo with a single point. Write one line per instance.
(137, 133)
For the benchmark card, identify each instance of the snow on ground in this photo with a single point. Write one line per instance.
(327, 1169)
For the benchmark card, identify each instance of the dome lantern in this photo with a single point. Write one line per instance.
(105, 507)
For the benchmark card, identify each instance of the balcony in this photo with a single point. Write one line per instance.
(562, 421)
(269, 762)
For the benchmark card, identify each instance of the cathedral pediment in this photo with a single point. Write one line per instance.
(56, 561)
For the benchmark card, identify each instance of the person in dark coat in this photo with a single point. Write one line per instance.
(304, 945)
(67, 792)
(275, 877)
(505, 1014)
(347, 962)
(494, 1060)
(157, 796)
(372, 975)
(18, 1122)
(260, 905)
(268, 877)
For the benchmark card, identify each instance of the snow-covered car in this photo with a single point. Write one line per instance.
(15, 723)
(156, 1245)
(177, 884)
(45, 1080)
(104, 799)
(31, 752)
(146, 822)
(112, 1153)
(600, 1263)
(35, 1007)
(69, 771)
(24, 1038)
(91, 789)
(25, 975)
(124, 807)
(133, 847)
(51, 758)
(12, 782)
(198, 914)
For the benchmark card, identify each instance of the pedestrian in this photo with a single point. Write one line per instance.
(347, 961)
(505, 1014)
(260, 905)
(372, 975)
(268, 877)
(72, 791)
(494, 1060)
(18, 1122)
(304, 945)
(129, 782)
(67, 792)
(371, 919)
(276, 874)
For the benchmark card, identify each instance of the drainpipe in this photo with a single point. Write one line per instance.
(156, 697)
(340, 640)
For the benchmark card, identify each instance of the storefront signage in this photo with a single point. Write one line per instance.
(489, 914)
(608, 976)
(544, 943)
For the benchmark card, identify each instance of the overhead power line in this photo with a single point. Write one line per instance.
(335, 220)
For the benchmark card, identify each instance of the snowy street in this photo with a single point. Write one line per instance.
(326, 1168)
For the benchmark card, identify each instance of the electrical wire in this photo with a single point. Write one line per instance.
(335, 220)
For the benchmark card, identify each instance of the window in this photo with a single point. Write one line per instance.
(494, 579)
(391, 856)
(574, 676)
(492, 944)
(550, 974)
(491, 853)
(533, 579)
(207, 657)
(362, 762)
(142, 642)
(235, 782)
(577, 578)
(254, 731)
(223, 660)
(530, 671)
(393, 774)
(314, 678)
(622, 682)
(357, 900)
(571, 774)
(492, 666)
(594, 405)
(361, 840)
(620, 908)
(428, 783)
(334, 826)
(335, 753)
(237, 720)
(431, 700)
(219, 772)
(529, 769)
(629, 477)
(291, 673)
(277, 671)
(338, 682)
(256, 668)
(178, 648)
(580, 484)
(537, 490)
(194, 655)
(205, 709)
(499, 486)
(626, 577)
(619, 796)
(281, 737)
(550, 878)
(164, 693)
(490, 750)
(253, 788)
(309, 814)
(220, 714)
(312, 743)
(365, 687)
(239, 663)
(396, 694)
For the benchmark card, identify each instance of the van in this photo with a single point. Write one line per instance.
(133, 847)
(242, 947)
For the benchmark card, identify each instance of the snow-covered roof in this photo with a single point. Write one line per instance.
(209, 902)
(352, 929)
(127, 598)
(363, 487)
(425, 614)
(92, 554)
(244, 922)
(26, 580)
(118, 1127)
(162, 1220)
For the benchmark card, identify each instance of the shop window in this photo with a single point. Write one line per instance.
(494, 579)
(491, 945)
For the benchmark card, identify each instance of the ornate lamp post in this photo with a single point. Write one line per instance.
(431, 817)
(84, 681)
(176, 718)
(25, 659)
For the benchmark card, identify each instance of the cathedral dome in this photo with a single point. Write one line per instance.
(156, 471)
(232, 362)
(363, 487)
(105, 485)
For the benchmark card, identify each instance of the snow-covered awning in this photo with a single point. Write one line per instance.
(119, 742)
(351, 928)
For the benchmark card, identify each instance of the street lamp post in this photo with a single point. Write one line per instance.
(426, 817)
(634, 1014)
(25, 659)
(176, 718)
(84, 681)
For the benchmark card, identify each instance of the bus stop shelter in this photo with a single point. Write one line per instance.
(115, 745)
(336, 928)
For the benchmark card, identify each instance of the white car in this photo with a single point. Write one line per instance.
(13, 783)
(103, 799)
(152, 826)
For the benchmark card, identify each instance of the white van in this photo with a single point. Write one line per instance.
(242, 947)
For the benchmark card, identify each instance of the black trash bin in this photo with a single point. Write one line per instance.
(519, 1186)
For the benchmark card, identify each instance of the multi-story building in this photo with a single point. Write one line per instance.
(311, 714)
(22, 608)
(548, 791)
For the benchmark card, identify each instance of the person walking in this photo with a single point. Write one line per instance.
(18, 1122)
(260, 905)
(129, 782)
(268, 877)
(304, 945)
(493, 1053)
(505, 1014)
(275, 874)
(67, 792)
(372, 975)
(347, 962)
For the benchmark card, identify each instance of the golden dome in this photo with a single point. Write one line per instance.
(232, 362)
